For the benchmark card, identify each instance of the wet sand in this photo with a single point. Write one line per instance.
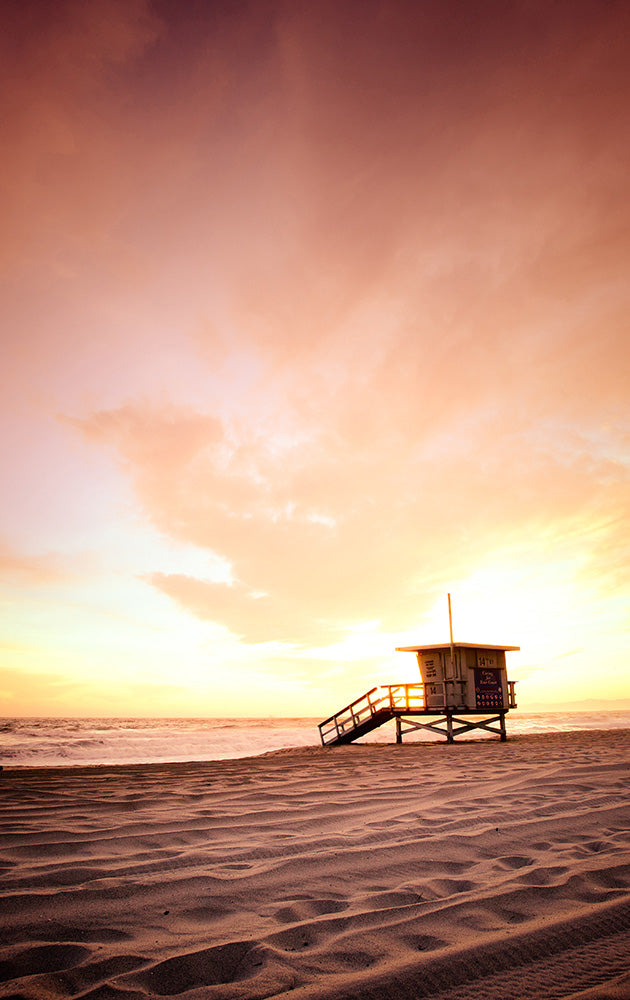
(481, 870)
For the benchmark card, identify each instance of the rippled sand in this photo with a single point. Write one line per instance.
(481, 870)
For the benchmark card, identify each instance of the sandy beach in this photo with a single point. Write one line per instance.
(480, 870)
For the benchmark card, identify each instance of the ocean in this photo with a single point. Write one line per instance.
(34, 742)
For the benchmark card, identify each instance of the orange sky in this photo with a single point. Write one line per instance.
(311, 313)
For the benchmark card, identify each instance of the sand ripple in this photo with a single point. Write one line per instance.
(481, 870)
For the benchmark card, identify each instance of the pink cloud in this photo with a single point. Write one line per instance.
(19, 570)
(328, 535)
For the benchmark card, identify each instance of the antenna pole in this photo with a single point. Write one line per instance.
(450, 623)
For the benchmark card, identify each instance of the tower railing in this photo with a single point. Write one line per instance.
(512, 694)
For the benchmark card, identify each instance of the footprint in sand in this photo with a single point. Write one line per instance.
(391, 898)
(226, 963)
(45, 958)
(544, 876)
(514, 861)
(305, 909)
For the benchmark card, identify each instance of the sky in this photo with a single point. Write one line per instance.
(311, 314)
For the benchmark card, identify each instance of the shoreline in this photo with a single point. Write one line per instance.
(66, 743)
(315, 748)
(478, 868)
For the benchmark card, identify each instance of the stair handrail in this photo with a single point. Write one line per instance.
(350, 717)
(349, 708)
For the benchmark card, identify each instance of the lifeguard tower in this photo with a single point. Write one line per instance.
(464, 687)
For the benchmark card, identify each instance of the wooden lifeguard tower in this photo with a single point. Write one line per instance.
(464, 687)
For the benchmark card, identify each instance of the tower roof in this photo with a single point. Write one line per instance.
(456, 645)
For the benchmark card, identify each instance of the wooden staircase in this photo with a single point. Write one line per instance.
(370, 711)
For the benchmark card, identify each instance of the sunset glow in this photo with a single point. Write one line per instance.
(311, 313)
